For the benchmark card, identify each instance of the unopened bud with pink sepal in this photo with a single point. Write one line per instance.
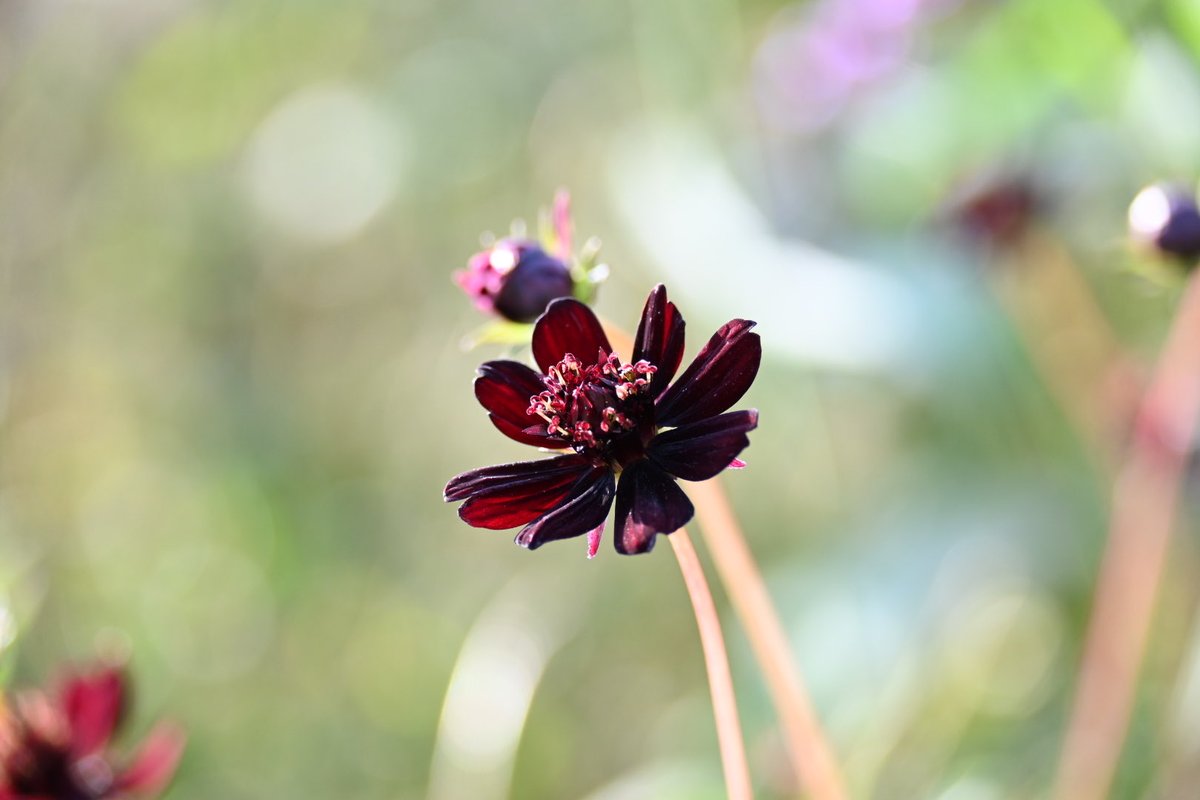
(1165, 218)
(517, 277)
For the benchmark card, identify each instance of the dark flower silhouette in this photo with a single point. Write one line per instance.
(995, 211)
(632, 431)
(56, 748)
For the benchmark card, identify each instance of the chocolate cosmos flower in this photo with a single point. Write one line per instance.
(631, 431)
(56, 748)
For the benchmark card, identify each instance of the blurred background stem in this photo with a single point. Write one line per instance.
(716, 660)
(1070, 341)
(1145, 498)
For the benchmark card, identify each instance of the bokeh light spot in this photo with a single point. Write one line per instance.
(324, 163)
(209, 612)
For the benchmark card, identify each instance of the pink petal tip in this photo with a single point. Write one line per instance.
(593, 543)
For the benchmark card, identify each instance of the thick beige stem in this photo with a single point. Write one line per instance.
(811, 755)
(1069, 340)
(1145, 497)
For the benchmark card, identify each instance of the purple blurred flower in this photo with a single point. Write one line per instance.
(819, 56)
(56, 748)
(623, 421)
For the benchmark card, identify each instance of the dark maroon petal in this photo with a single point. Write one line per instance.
(699, 450)
(568, 326)
(535, 434)
(649, 502)
(154, 765)
(717, 378)
(94, 705)
(512, 507)
(515, 494)
(504, 389)
(659, 338)
(487, 479)
(584, 511)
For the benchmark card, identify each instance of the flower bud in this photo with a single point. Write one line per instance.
(1165, 217)
(516, 279)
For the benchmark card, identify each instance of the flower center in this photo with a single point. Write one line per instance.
(602, 409)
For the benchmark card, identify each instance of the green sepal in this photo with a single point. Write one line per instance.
(1165, 273)
(587, 273)
(499, 331)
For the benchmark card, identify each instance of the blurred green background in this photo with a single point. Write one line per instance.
(232, 387)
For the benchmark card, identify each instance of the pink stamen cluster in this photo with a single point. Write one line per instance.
(589, 404)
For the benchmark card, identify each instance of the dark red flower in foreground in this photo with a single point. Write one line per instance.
(632, 431)
(56, 748)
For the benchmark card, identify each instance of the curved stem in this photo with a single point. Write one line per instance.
(716, 660)
(811, 755)
(1145, 497)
